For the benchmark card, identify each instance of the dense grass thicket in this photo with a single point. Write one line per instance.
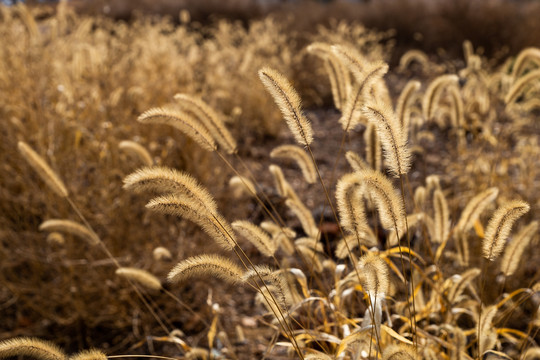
(243, 191)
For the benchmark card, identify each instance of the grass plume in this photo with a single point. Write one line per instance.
(140, 276)
(204, 265)
(166, 180)
(304, 215)
(71, 227)
(213, 224)
(136, 149)
(298, 155)
(43, 169)
(31, 347)
(499, 227)
(351, 209)
(524, 57)
(518, 87)
(181, 121)
(442, 217)
(475, 207)
(92, 354)
(433, 93)
(373, 147)
(399, 352)
(487, 336)
(512, 256)
(391, 135)
(210, 119)
(375, 275)
(338, 73)
(360, 93)
(256, 236)
(389, 204)
(289, 104)
(405, 101)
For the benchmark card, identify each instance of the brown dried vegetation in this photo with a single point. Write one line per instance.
(402, 254)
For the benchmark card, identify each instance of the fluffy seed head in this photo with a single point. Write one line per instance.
(474, 208)
(355, 61)
(70, 227)
(360, 94)
(442, 217)
(351, 209)
(298, 155)
(499, 227)
(256, 236)
(208, 264)
(365, 72)
(288, 101)
(520, 85)
(338, 73)
(355, 161)
(181, 121)
(166, 180)
(210, 120)
(399, 352)
(241, 184)
(404, 103)
(396, 152)
(512, 256)
(92, 354)
(375, 275)
(524, 56)
(373, 147)
(43, 169)
(31, 347)
(283, 187)
(457, 107)
(413, 55)
(274, 280)
(136, 149)
(433, 93)
(389, 204)
(140, 276)
(162, 254)
(305, 217)
(213, 224)
(487, 336)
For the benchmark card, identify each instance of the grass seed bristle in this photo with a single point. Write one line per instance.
(289, 103)
(499, 227)
(31, 347)
(43, 169)
(204, 265)
(71, 227)
(181, 121)
(140, 276)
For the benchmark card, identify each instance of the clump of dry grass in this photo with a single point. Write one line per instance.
(389, 274)
(378, 272)
(96, 77)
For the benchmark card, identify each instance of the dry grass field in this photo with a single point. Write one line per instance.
(190, 187)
